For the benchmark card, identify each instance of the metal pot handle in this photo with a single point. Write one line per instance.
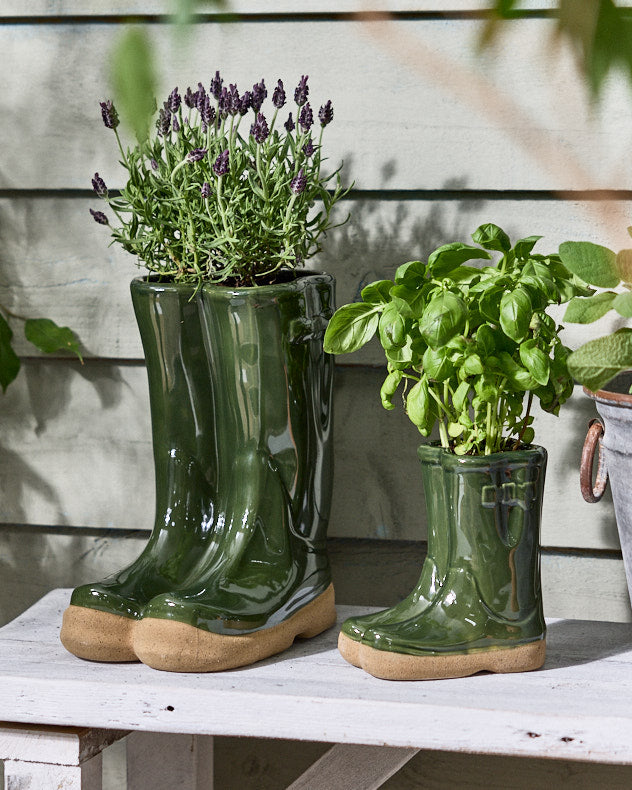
(593, 440)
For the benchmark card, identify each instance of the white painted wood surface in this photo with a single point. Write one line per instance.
(515, 119)
(19, 776)
(162, 761)
(576, 708)
(353, 767)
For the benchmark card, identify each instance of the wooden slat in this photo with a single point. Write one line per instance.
(77, 451)
(115, 8)
(57, 263)
(417, 108)
(161, 761)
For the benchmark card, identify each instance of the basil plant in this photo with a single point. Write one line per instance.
(596, 362)
(468, 347)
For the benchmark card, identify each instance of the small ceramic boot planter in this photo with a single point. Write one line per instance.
(98, 624)
(264, 578)
(487, 613)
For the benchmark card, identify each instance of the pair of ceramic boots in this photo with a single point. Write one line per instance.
(236, 566)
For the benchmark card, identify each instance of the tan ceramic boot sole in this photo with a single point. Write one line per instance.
(400, 666)
(178, 647)
(97, 636)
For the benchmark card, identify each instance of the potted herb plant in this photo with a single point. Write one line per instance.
(603, 366)
(469, 348)
(219, 207)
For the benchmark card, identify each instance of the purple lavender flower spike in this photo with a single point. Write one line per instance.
(154, 164)
(175, 125)
(173, 102)
(223, 103)
(245, 103)
(308, 148)
(221, 165)
(278, 97)
(306, 118)
(326, 114)
(302, 91)
(190, 98)
(259, 92)
(289, 124)
(206, 189)
(163, 123)
(216, 85)
(196, 154)
(208, 113)
(233, 100)
(259, 129)
(99, 216)
(299, 182)
(98, 184)
(109, 114)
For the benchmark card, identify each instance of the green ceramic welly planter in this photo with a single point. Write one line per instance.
(478, 604)
(240, 394)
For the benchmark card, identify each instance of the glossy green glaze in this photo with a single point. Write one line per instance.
(240, 393)
(487, 532)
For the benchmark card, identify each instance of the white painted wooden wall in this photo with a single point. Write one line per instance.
(437, 140)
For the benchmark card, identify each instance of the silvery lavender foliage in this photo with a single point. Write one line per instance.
(221, 165)
(278, 96)
(326, 114)
(99, 217)
(98, 184)
(306, 118)
(109, 114)
(302, 91)
(259, 129)
(299, 182)
(199, 187)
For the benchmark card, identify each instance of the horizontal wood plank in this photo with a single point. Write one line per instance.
(58, 263)
(418, 108)
(77, 451)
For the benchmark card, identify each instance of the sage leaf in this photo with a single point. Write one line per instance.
(585, 310)
(48, 337)
(9, 361)
(599, 360)
(350, 328)
(624, 265)
(450, 256)
(595, 264)
(515, 313)
(622, 303)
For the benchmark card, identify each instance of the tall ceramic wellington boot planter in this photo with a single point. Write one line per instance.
(483, 609)
(264, 578)
(98, 624)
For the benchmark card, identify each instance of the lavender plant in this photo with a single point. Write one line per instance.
(224, 190)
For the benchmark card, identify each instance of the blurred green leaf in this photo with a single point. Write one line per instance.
(585, 310)
(134, 80)
(9, 362)
(595, 264)
(48, 337)
(599, 360)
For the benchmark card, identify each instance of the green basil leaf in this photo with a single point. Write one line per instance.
(595, 264)
(485, 340)
(473, 365)
(437, 364)
(516, 375)
(455, 429)
(350, 328)
(411, 273)
(389, 388)
(492, 237)
(9, 361)
(515, 313)
(392, 328)
(418, 406)
(622, 303)
(535, 361)
(459, 398)
(486, 388)
(523, 247)
(409, 302)
(582, 310)
(489, 304)
(599, 360)
(377, 292)
(48, 337)
(443, 318)
(450, 256)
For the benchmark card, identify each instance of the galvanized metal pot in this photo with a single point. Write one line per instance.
(610, 439)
